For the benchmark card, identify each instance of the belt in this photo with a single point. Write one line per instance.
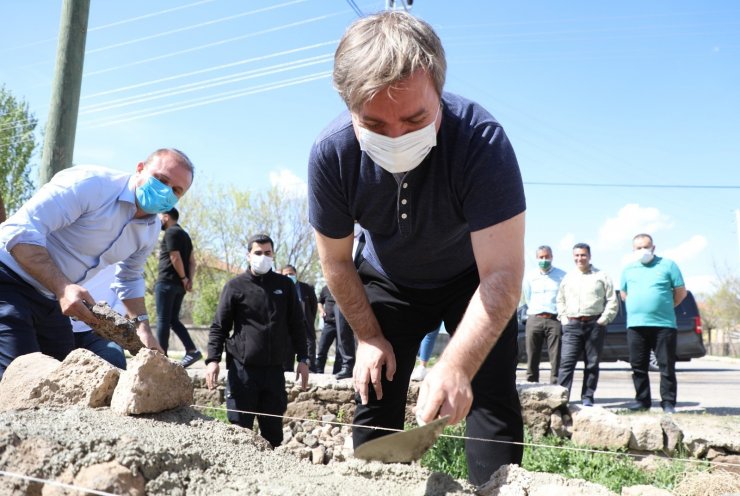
(545, 315)
(585, 318)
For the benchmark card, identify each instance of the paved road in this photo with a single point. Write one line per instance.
(706, 384)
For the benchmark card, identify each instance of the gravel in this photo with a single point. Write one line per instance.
(183, 452)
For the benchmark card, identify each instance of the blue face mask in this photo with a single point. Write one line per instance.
(155, 197)
(293, 278)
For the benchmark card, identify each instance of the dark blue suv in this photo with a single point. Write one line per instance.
(689, 343)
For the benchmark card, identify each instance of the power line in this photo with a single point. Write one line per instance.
(193, 26)
(354, 6)
(211, 69)
(112, 24)
(208, 83)
(207, 100)
(146, 16)
(212, 44)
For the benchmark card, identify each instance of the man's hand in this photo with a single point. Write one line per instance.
(444, 391)
(75, 302)
(145, 334)
(188, 283)
(302, 370)
(371, 355)
(212, 370)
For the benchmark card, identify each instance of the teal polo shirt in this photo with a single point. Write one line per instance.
(649, 289)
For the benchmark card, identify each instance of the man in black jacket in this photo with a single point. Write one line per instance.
(309, 304)
(263, 309)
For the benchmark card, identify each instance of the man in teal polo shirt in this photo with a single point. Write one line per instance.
(655, 286)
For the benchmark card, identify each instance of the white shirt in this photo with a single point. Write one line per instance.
(541, 291)
(84, 217)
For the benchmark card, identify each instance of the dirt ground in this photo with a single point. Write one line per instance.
(183, 452)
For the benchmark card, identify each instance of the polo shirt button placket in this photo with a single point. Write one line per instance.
(404, 216)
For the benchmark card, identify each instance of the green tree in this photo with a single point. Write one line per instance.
(221, 218)
(721, 308)
(17, 145)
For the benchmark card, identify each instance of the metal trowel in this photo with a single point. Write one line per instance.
(402, 447)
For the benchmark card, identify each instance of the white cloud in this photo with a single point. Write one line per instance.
(290, 184)
(687, 250)
(701, 284)
(566, 242)
(630, 220)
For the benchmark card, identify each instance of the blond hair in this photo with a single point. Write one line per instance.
(382, 49)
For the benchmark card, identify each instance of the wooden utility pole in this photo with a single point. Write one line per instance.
(65, 93)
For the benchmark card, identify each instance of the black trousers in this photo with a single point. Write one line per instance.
(328, 336)
(289, 365)
(662, 340)
(30, 322)
(346, 344)
(261, 390)
(581, 337)
(406, 315)
(539, 330)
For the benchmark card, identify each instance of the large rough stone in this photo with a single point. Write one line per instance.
(23, 383)
(111, 477)
(728, 463)
(538, 402)
(35, 379)
(598, 428)
(512, 480)
(84, 379)
(561, 424)
(647, 433)
(151, 383)
(699, 435)
(672, 435)
(115, 327)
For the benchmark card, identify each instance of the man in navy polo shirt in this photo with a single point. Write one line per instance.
(432, 179)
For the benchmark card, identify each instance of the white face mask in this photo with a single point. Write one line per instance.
(644, 255)
(401, 154)
(261, 264)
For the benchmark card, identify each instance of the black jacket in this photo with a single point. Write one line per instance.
(266, 316)
(309, 303)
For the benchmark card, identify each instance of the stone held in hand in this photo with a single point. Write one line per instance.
(115, 327)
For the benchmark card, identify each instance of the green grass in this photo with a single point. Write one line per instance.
(216, 413)
(448, 454)
(610, 470)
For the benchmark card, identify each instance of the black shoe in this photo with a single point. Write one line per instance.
(191, 358)
(345, 373)
(669, 408)
(638, 406)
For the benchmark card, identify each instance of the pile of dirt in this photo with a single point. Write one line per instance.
(184, 452)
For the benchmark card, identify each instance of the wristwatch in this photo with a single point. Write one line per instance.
(141, 318)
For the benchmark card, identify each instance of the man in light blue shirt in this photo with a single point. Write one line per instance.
(540, 290)
(85, 219)
(651, 287)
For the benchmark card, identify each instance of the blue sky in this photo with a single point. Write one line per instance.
(590, 93)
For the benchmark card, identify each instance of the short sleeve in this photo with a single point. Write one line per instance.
(676, 276)
(492, 190)
(328, 205)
